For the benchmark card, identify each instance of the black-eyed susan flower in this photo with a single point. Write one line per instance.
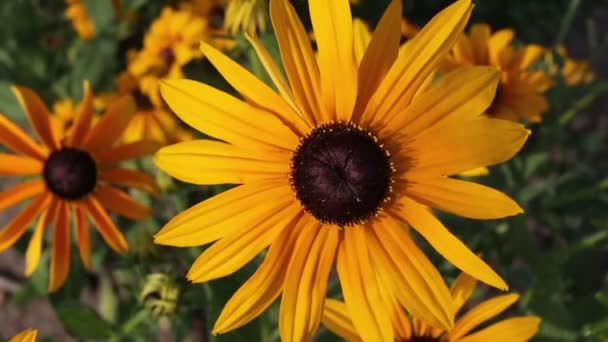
(520, 91)
(170, 43)
(76, 173)
(573, 71)
(333, 163)
(78, 15)
(248, 16)
(28, 335)
(407, 329)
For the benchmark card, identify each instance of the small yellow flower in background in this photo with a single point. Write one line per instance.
(151, 121)
(573, 71)
(407, 329)
(76, 172)
(160, 294)
(332, 166)
(77, 13)
(170, 43)
(520, 92)
(248, 16)
(28, 335)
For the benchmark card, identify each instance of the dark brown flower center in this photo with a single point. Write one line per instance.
(216, 16)
(422, 339)
(167, 56)
(142, 101)
(341, 174)
(70, 173)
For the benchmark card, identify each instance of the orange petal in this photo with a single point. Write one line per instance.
(336, 319)
(126, 152)
(131, 178)
(60, 253)
(305, 285)
(105, 225)
(16, 165)
(84, 117)
(17, 140)
(509, 330)
(481, 313)
(21, 192)
(34, 248)
(360, 287)
(13, 231)
(263, 287)
(83, 237)
(38, 115)
(111, 124)
(462, 288)
(120, 202)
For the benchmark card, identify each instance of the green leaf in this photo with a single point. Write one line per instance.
(84, 323)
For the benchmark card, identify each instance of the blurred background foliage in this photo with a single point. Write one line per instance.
(555, 255)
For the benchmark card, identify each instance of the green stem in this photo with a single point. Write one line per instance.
(567, 21)
(583, 102)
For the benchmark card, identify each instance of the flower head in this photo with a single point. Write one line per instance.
(520, 91)
(76, 172)
(333, 164)
(408, 329)
(573, 71)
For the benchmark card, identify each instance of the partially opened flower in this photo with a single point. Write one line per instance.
(520, 91)
(573, 71)
(407, 329)
(76, 176)
(28, 335)
(170, 43)
(333, 163)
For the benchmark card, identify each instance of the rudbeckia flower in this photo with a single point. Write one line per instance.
(28, 335)
(170, 43)
(520, 91)
(407, 329)
(333, 164)
(77, 13)
(76, 172)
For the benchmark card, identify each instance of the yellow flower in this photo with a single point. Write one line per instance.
(333, 164)
(520, 92)
(573, 71)
(516, 329)
(150, 122)
(171, 42)
(77, 13)
(76, 172)
(28, 335)
(246, 15)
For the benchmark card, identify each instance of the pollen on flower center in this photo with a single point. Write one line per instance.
(341, 174)
(70, 173)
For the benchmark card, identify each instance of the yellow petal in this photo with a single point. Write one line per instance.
(461, 145)
(28, 335)
(20, 192)
(254, 90)
(214, 162)
(463, 93)
(126, 152)
(336, 319)
(13, 137)
(422, 57)
(130, 178)
(333, 27)
(276, 74)
(448, 245)
(361, 38)
(104, 224)
(84, 117)
(34, 248)
(379, 56)
(264, 286)
(120, 202)
(305, 285)
(16, 165)
(15, 228)
(111, 124)
(462, 198)
(60, 252)
(360, 287)
(298, 60)
(223, 214)
(518, 329)
(480, 36)
(481, 313)
(38, 115)
(498, 42)
(462, 288)
(416, 283)
(225, 117)
(232, 252)
(83, 237)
